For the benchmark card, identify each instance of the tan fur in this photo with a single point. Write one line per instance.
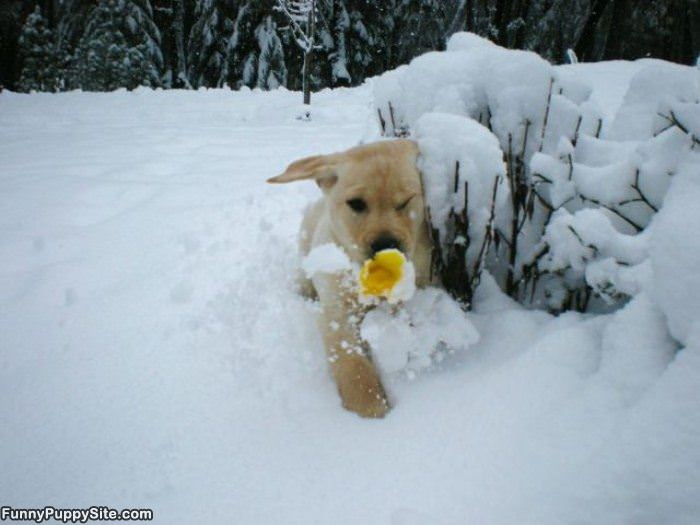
(385, 176)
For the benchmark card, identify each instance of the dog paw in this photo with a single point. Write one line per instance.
(361, 389)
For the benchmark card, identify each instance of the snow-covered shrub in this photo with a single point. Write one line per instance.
(579, 192)
(520, 98)
(614, 187)
(463, 178)
(586, 247)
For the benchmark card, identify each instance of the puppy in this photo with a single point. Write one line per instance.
(372, 200)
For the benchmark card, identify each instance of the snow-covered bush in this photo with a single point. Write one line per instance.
(463, 177)
(568, 226)
(607, 190)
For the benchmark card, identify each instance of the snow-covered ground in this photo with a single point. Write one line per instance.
(154, 354)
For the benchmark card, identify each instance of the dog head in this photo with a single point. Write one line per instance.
(373, 192)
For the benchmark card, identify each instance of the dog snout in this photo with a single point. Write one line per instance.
(384, 242)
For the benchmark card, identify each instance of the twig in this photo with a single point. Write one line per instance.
(576, 131)
(391, 115)
(478, 264)
(546, 113)
(639, 191)
(382, 122)
(613, 210)
(677, 123)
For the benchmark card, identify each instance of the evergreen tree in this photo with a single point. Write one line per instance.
(207, 53)
(272, 70)
(551, 29)
(236, 44)
(255, 42)
(369, 38)
(179, 77)
(246, 44)
(338, 55)
(40, 61)
(141, 30)
(72, 17)
(118, 48)
(421, 25)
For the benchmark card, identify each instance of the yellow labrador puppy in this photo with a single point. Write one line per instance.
(372, 200)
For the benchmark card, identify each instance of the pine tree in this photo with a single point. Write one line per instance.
(207, 53)
(548, 28)
(179, 79)
(338, 55)
(141, 32)
(369, 38)
(119, 48)
(249, 42)
(272, 70)
(244, 47)
(421, 26)
(72, 17)
(236, 43)
(40, 60)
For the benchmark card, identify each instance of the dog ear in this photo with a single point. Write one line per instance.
(321, 168)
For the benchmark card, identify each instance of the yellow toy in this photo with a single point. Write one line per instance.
(380, 275)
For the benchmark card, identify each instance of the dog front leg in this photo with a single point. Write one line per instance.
(356, 377)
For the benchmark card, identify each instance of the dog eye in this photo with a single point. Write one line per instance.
(404, 204)
(357, 205)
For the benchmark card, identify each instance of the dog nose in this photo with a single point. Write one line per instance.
(385, 242)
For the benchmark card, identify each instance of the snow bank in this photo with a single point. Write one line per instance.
(412, 338)
(508, 90)
(652, 88)
(675, 253)
(154, 351)
(603, 215)
(326, 258)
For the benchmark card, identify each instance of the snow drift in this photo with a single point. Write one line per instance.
(155, 354)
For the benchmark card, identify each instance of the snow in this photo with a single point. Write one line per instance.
(445, 140)
(478, 79)
(675, 258)
(329, 258)
(573, 156)
(412, 338)
(404, 289)
(154, 352)
(326, 258)
(653, 85)
(650, 147)
(468, 42)
(609, 79)
(575, 239)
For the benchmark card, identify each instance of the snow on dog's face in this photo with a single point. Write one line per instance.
(373, 194)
